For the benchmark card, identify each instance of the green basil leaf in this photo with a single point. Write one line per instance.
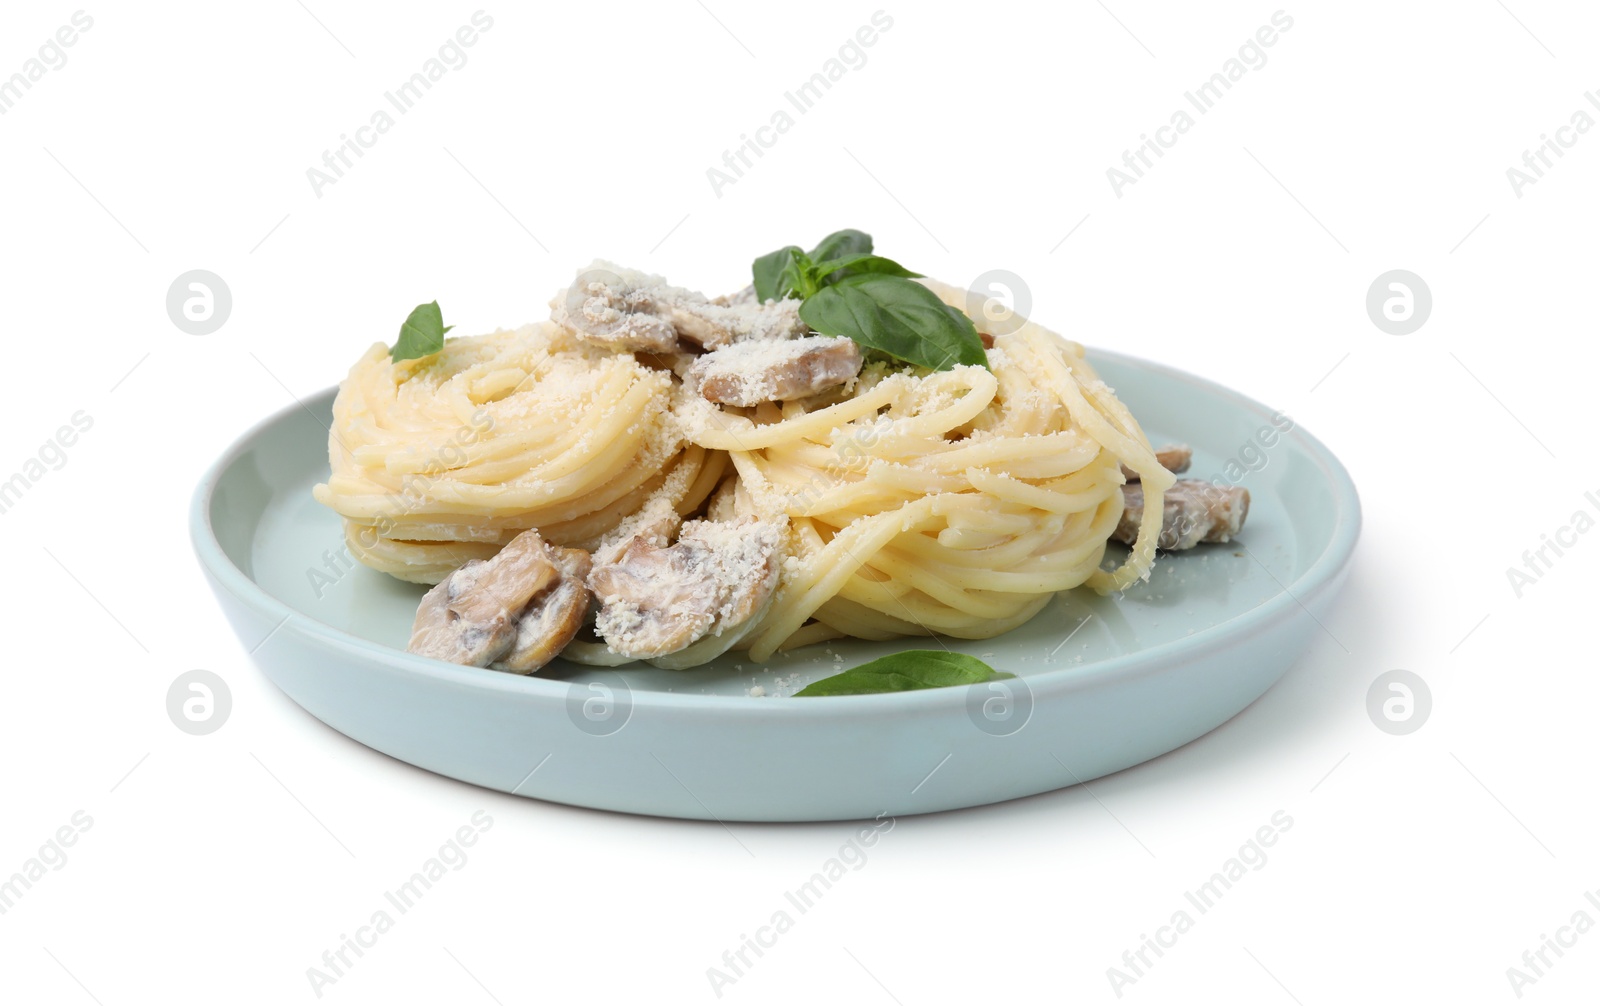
(800, 275)
(834, 270)
(422, 334)
(769, 271)
(901, 318)
(910, 670)
(842, 243)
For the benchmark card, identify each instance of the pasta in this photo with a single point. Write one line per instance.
(444, 459)
(958, 502)
(908, 502)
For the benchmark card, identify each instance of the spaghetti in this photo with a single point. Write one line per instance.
(911, 502)
(957, 502)
(444, 459)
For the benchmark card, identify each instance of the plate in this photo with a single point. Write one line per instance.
(1101, 683)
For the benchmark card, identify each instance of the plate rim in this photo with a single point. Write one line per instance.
(1322, 573)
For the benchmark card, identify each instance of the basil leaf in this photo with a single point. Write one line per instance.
(842, 243)
(769, 271)
(901, 318)
(910, 670)
(800, 276)
(422, 334)
(846, 290)
(834, 270)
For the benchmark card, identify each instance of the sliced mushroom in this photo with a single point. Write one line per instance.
(654, 523)
(619, 308)
(633, 311)
(1173, 457)
(553, 617)
(749, 373)
(441, 633)
(1193, 511)
(658, 601)
(653, 600)
(747, 295)
(712, 326)
(505, 583)
(743, 556)
(471, 616)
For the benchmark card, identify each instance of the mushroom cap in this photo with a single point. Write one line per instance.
(657, 601)
(553, 617)
(474, 616)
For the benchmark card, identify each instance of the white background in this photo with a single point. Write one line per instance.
(976, 136)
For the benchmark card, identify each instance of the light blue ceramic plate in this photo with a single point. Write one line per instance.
(1102, 683)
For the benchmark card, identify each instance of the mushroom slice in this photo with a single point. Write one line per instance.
(1173, 457)
(747, 295)
(712, 325)
(620, 308)
(470, 617)
(744, 556)
(653, 523)
(1193, 511)
(440, 633)
(749, 373)
(653, 600)
(724, 637)
(507, 582)
(657, 601)
(553, 617)
(638, 312)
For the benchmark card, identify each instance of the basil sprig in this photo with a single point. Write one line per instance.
(847, 290)
(422, 334)
(907, 671)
